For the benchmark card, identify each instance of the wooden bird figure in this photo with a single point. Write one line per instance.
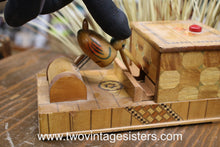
(100, 50)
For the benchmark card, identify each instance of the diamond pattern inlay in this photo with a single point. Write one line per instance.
(150, 119)
(158, 118)
(153, 113)
(158, 109)
(141, 111)
(150, 110)
(166, 116)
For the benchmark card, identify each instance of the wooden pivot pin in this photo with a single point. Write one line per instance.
(65, 81)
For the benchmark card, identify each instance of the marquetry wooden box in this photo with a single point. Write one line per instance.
(181, 86)
(183, 65)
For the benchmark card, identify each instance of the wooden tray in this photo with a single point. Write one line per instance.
(111, 106)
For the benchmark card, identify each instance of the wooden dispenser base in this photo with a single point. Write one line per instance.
(112, 105)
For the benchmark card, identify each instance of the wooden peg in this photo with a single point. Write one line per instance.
(129, 55)
(123, 56)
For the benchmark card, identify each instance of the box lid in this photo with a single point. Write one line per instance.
(174, 36)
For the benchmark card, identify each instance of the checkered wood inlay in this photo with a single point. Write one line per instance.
(153, 113)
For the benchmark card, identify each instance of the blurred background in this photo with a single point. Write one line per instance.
(58, 31)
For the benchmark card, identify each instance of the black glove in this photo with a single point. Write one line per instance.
(111, 19)
(19, 12)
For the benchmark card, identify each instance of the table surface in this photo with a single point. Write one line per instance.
(19, 114)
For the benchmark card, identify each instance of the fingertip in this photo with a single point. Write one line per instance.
(12, 22)
(109, 17)
(120, 30)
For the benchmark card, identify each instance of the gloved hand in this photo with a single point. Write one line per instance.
(111, 19)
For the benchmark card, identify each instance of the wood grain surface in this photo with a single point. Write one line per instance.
(18, 110)
(173, 36)
(183, 65)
